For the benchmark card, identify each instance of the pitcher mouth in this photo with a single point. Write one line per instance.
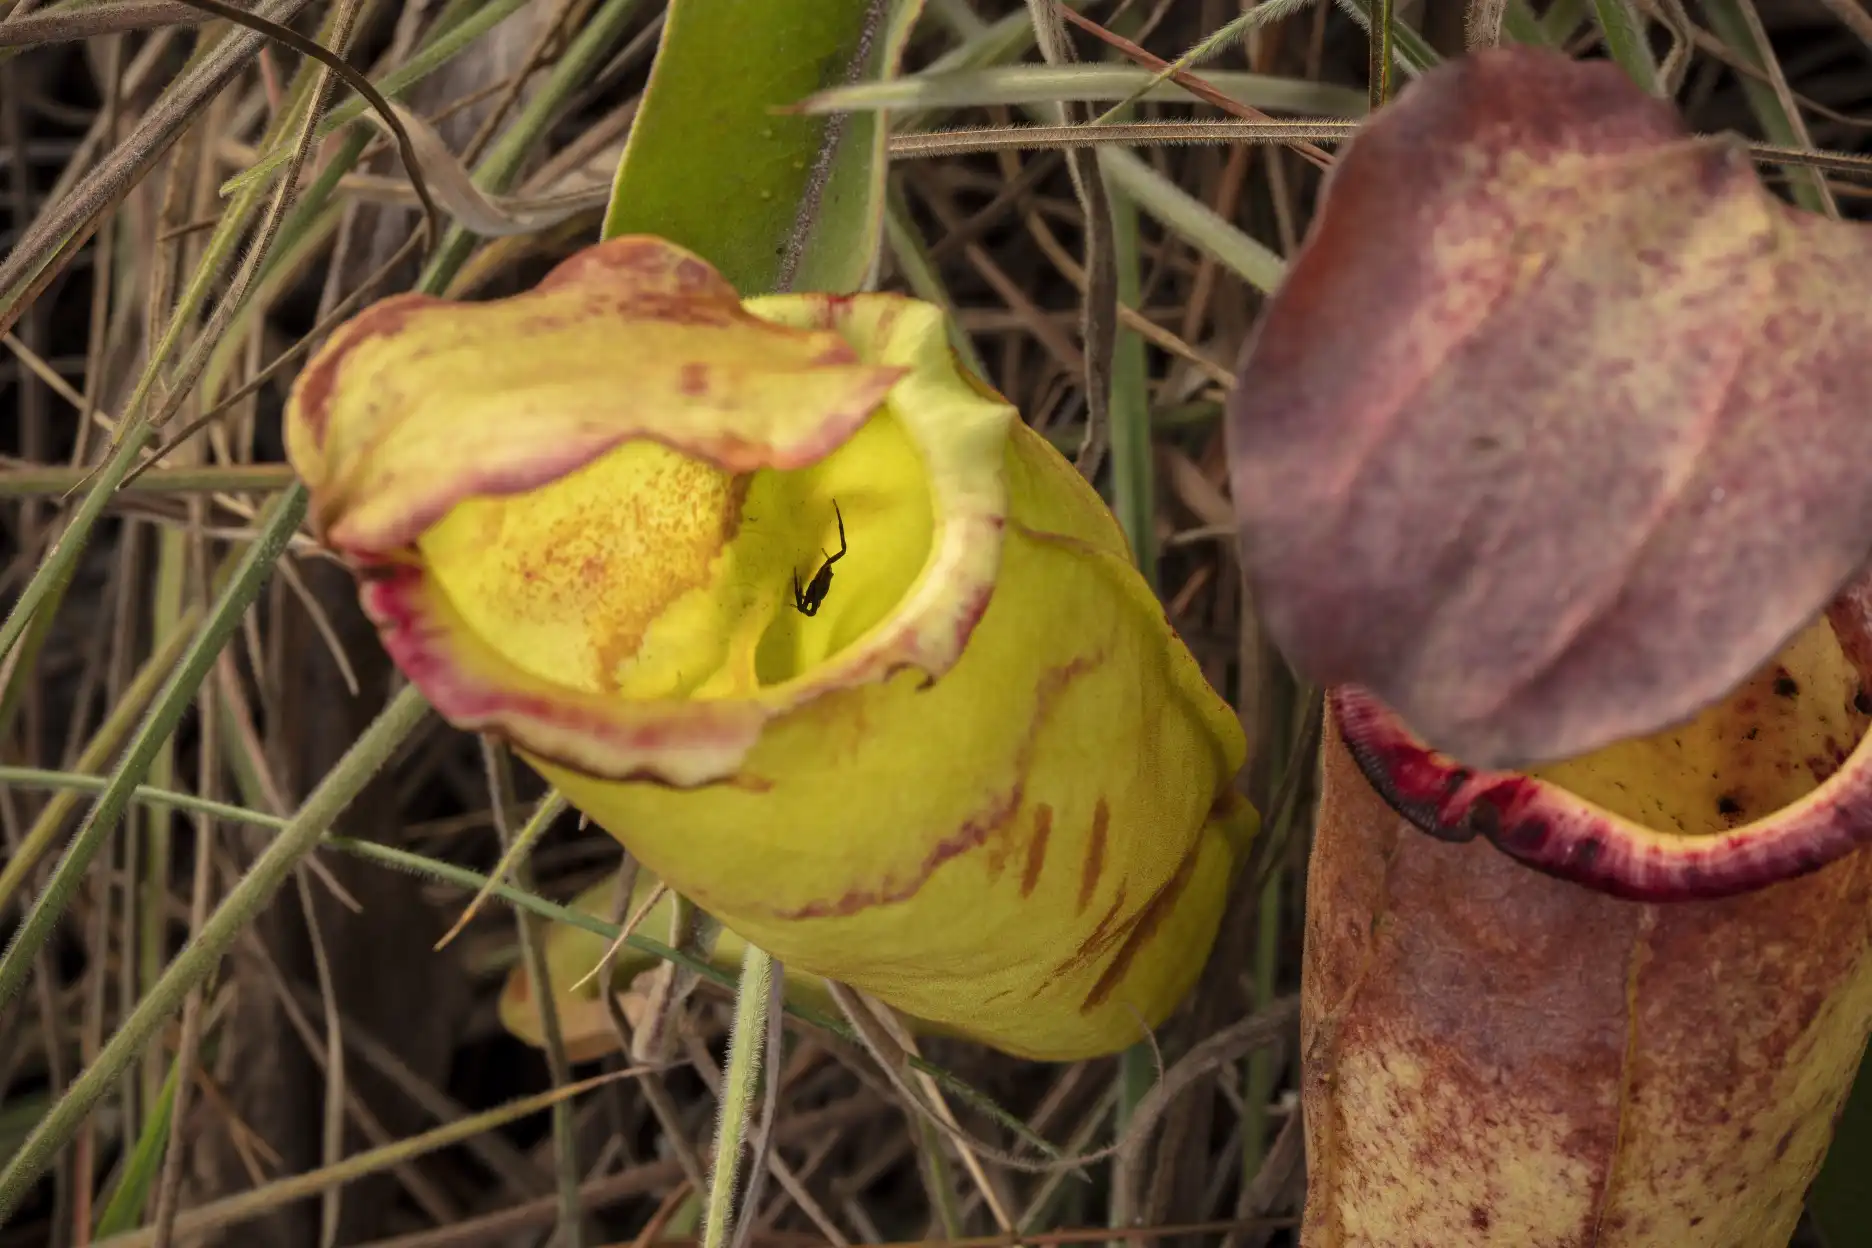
(1539, 821)
(551, 502)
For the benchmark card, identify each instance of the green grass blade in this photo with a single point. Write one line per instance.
(78, 782)
(1740, 29)
(923, 278)
(1197, 223)
(125, 1208)
(1561, 20)
(1623, 28)
(1521, 25)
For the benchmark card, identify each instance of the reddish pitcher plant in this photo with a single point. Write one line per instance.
(974, 773)
(1589, 931)
(1497, 1056)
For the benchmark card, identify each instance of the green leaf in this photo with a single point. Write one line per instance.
(773, 201)
(125, 1209)
(1623, 28)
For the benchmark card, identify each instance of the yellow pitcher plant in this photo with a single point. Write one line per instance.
(804, 616)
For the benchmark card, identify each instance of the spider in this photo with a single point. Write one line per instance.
(808, 601)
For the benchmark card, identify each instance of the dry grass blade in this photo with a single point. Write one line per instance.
(153, 733)
(893, 1027)
(234, 1210)
(542, 818)
(1233, 32)
(1256, 1031)
(1853, 17)
(1047, 84)
(1024, 138)
(596, 1193)
(168, 1191)
(55, 1128)
(1482, 27)
(1131, 319)
(1835, 162)
(1782, 112)
(886, 1049)
(601, 970)
(1090, 1234)
(491, 216)
(25, 30)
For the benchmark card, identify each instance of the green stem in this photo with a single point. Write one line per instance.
(168, 614)
(37, 482)
(79, 782)
(1134, 462)
(1731, 23)
(1134, 500)
(746, 1042)
(939, 1179)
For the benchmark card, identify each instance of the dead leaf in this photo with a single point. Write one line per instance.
(1558, 427)
(490, 216)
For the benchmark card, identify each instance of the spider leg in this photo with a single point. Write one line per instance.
(841, 529)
